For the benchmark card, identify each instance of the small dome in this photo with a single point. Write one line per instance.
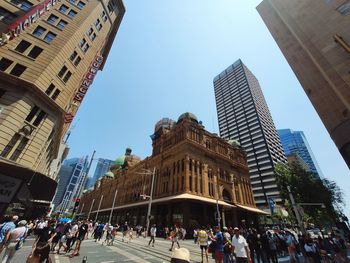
(164, 123)
(120, 161)
(187, 115)
(108, 175)
(234, 143)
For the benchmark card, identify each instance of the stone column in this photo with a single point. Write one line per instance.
(233, 192)
(187, 173)
(205, 180)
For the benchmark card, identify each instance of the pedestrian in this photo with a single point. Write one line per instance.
(108, 229)
(218, 238)
(153, 233)
(6, 227)
(72, 236)
(59, 233)
(166, 233)
(227, 246)
(125, 230)
(174, 233)
(98, 232)
(130, 234)
(202, 238)
(81, 235)
(114, 233)
(195, 235)
(40, 253)
(183, 233)
(180, 255)
(272, 240)
(240, 247)
(14, 241)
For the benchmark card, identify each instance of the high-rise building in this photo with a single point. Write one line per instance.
(244, 116)
(102, 167)
(71, 177)
(294, 142)
(50, 51)
(313, 35)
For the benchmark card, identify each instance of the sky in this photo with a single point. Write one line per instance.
(162, 64)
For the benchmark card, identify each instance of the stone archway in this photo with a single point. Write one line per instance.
(226, 195)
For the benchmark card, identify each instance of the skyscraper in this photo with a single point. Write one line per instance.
(294, 142)
(314, 37)
(50, 51)
(102, 167)
(243, 115)
(71, 176)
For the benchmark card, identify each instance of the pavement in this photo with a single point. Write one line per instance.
(124, 252)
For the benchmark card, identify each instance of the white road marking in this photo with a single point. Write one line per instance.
(57, 260)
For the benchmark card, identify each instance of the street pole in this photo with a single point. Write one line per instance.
(93, 201)
(218, 212)
(296, 211)
(81, 210)
(150, 202)
(98, 209)
(110, 216)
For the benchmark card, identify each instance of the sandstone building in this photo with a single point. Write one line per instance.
(194, 169)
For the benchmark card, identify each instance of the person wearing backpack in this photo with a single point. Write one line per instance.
(6, 227)
(14, 241)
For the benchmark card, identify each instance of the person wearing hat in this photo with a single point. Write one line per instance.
(14, 241)
(180, 255)
(240, 247)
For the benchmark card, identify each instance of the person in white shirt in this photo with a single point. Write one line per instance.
(13, 237)
(153, 233)
(240, 247)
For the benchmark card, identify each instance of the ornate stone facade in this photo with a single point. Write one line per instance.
(193, 170)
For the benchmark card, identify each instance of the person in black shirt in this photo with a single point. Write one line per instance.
(82, 233)
(47, 233)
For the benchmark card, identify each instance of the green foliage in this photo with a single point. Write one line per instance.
(308, 188)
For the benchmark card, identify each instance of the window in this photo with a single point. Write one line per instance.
(6, 16)
(72, 13)
(39, 31)
(32, 113)
(98, 25)
(62, 71)
(22, 46)
(62, 24)
(111, 5)
(52, 19)
(77, 61)
(67, 77)
(19, 149)
(50, 89)
(39, 118)
(49, 37)
(8, 148)
(93, 36)
(82, 42)
(80, 5)
(86, 47)
(5, 63)
(35, 52)
(104, 16)
(73, 56)
(22, 4)
(90, 31)
(72, 1)
(63, 9)
(55, 94)
(2, 92)
(17, 70)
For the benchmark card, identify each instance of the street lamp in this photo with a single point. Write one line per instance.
(150, 196)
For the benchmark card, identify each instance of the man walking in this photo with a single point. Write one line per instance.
(240, 247)
(82, 233)
(5, 228)
(153, 233)
(202, 237)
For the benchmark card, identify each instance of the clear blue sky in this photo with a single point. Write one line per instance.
(162, 64)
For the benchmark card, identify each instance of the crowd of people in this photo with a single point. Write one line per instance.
(224, 245)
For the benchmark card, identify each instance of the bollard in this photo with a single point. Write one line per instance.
(84, 259)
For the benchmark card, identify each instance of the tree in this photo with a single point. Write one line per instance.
(306, 187)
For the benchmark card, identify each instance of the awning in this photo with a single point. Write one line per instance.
(41, 187)
(171, 198)
(253, 209)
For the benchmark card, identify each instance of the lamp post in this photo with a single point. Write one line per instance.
(110, 215)
(150, 196)
(92, 204)
(98, 209)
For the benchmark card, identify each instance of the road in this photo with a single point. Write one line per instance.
(134, 251)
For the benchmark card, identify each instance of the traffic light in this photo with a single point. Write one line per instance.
(76, 204)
